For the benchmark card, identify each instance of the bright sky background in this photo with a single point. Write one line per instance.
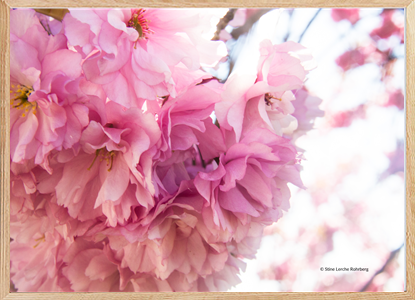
(368, 140)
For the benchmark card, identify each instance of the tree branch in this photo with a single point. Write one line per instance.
(287, 35)
(392, 255)
(223, 23)
(308, 25)
(236, 33)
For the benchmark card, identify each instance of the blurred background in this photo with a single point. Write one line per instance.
(352, 214)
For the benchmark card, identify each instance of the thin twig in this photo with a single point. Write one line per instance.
(201, 158)
(308, 25)
(236, 33)
(287, 35)
(47, 27)
(242, 30)
(392, 255)
(340, 38)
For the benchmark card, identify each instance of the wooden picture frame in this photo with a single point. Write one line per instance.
(5, 5)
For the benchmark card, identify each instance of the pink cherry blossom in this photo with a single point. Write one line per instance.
(249, 183)
(351, 59)
(396, 98)
(187, 128)
(266, 100)
(172, 257)
(132, 169)
(47, 108)
(41, 234)
(349, 14)
(179, 253)
(139, 54)
(88, 269)
(345, 118)
(306, 110)
(388, 27)
(113, 173)
(360, 56)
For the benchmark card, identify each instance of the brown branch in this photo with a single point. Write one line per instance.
(223, 23)
(57, 14)
(244, 29)
(236, 33)
(392, 255)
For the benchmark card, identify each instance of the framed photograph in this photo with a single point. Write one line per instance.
(194, 150)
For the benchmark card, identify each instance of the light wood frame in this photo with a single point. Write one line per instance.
(5, 6)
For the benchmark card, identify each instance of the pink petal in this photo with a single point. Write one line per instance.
(26, 133)
(196, 251)
(65, 61)
(100, 268)
(254, 183)
(233, 200)
(116, 181)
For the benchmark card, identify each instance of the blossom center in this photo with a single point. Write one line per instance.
(139, 23)
(39, 240)
(19, 98)
(108, 156)
(269, 99)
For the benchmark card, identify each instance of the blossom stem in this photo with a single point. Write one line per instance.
(47, 28)
(201, 158)
(112, 160)
(95, 158)
(308, 25)
(287, 35)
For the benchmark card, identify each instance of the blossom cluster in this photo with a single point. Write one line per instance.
(379, 49)
(133, 169)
